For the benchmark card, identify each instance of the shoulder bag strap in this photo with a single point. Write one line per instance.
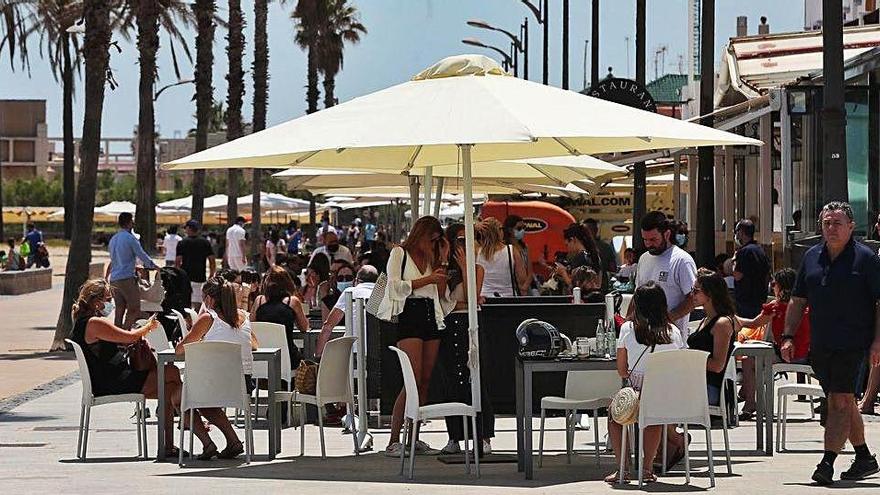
(513, 283)
(639, 359)
(403, 264)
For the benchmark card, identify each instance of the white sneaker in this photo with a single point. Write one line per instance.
(423, 448)
(451, 448)
(394, 449)
(487, 447)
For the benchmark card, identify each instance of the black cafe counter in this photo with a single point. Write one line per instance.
(498, 320)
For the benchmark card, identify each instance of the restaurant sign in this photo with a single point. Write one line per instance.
(624, 91)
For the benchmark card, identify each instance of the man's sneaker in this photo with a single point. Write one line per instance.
(824, 474)
(451, 448)
(394, 449)
(861, 469)
(423, 448)
(487, 447)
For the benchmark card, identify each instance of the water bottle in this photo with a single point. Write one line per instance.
(601, 343)
(612, 339)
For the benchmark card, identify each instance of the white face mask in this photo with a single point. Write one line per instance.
(341, 286)
(109, 308)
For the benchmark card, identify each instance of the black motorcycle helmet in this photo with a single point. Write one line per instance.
(538, 339)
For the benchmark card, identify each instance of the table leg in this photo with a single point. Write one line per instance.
(517, 375)
(160, 412)
(769, 389)
(274, 378)
(527, 419)
(760, 401)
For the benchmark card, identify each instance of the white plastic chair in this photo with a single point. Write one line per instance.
(214, 378)
(417, 413)
(811, 390)
(89, 400)
(674, 392)
(181, 322)
(333, 385)
(584, 391)
(193, 315)
(271, 335)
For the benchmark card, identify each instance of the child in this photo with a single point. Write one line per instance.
(782, 283)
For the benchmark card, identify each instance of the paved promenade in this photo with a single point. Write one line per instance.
(38, 439)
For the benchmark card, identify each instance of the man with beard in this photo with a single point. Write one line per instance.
(668, 266)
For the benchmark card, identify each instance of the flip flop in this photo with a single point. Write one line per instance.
(231, 451)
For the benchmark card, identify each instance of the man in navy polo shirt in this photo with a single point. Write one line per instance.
(840, 280)
(751, 271)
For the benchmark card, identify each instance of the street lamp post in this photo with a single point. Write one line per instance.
(517, 46)
(506, 61)
(539, 12)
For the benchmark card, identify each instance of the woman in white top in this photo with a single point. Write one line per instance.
(498, 259)
(650, 331)
(416, 277)
(222, 321)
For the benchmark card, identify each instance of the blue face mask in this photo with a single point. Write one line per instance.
(109, 308)
(681, 240)
(343, 285)
(519, 234)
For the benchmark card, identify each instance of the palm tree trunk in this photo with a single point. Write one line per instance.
(261, 103)
(312, 79)
(69, 179)
(329, 90)
(96, 52)
(148, 46)
(204, 10)
(234, 96)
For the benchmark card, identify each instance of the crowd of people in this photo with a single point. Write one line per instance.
(29, 251)
(426, 296)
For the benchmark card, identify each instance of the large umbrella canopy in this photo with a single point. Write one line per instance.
(462, 110)
(215, 202)
(460, 100)
(274, 201)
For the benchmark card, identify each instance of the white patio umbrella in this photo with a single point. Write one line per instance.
(461, 110)
(214, 202)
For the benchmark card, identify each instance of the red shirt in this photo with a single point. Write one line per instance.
(776, 309)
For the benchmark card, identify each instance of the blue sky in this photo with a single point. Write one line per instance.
(405, 36)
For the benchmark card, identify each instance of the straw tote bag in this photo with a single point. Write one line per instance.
(624, 408)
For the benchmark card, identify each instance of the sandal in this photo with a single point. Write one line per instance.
(648, 477)
(175, 453)
(231, 451)
(615, 477)
(208, 453)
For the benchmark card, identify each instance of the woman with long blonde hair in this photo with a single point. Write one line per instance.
(109, 369)
(505, 272)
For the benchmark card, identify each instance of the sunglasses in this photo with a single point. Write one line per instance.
(460, 240)
(824, 281)
(345, 278)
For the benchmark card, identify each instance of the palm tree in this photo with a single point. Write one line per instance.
(96, 54)
(341, 25)
(12, 38)
(234, 97)
(205, 11)
(51, 19)
(308, 17)
(260, 69)
(148, 16)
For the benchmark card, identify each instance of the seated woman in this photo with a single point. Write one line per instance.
(773, 313)
(109, 368)
(278, 304)
(590, 284)
(714, 335)
(222, 321)
(649, 331)
(341, 278)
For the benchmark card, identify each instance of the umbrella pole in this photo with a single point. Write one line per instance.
(470, 259)
(441, 181)
(429, 183)
(414, 197)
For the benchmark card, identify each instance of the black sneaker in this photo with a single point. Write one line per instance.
(824, 474)
(861, 469)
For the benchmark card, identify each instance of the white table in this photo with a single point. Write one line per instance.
(764, 356)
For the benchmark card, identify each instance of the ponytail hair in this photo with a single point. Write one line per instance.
(89, 292)
(223, 295)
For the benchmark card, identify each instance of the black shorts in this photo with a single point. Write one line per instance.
(417, 320)
(837, 371)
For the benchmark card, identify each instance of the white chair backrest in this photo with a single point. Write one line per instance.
(333, 374)
(793, 368)
(84, 375)
(674, 387)
(730, 371)
(192, 314)
(181, 322)
(589, 385)
(409, 384)
(157, 339)
(272, 335)
(214, 375)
